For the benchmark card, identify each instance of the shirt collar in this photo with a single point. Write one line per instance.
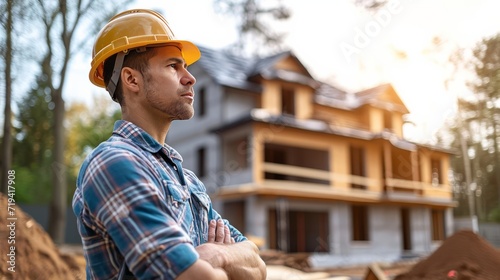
(141, 138)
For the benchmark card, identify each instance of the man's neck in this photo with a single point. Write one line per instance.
(158, 129)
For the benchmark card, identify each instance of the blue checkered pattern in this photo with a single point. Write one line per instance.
(131, 205)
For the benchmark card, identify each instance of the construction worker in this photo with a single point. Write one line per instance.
(140, 214)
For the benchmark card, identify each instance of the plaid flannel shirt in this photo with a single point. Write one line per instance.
(132, 205)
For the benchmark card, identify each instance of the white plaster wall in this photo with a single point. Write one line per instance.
(256, 218)
(385, 230)
(420, 220)
(187, 136)
(238, 104)
(340, 228)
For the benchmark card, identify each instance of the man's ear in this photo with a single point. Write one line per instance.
(130, 79)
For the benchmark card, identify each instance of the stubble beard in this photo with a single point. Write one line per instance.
(177, 110)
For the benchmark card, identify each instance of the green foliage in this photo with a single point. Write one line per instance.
(494, 215)
(87, 128)
(34, 126)
(32, 184)
(487, 68)
(478, 122)
(32, 145)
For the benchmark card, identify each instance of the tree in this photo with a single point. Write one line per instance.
(87, 128)
(7, 139)
(487, 87)
(33, 144)
(253, 24)
(59, 23)
(478, 124)
(12, 24)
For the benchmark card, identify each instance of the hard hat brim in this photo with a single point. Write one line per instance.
(190, 53)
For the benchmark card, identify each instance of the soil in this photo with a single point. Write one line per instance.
(463, 256)
(28, 252)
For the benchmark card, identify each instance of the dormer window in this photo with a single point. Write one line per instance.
(287, 101)
(388, 120)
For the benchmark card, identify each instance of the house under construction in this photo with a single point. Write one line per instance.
(307, 167)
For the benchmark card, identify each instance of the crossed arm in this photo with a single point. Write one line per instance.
(222, 258)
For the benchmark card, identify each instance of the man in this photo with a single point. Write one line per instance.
(136, 207)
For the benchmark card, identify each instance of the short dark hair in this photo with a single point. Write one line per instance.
(135, 60)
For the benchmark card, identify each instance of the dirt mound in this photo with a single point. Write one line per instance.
(463, 256)
(27, 250)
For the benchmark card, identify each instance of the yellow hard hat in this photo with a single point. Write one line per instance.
(134, 29)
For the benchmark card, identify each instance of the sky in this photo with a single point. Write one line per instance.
(349, 47)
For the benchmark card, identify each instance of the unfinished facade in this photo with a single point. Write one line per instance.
(307, 167)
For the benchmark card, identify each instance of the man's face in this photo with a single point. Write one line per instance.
(168, 85)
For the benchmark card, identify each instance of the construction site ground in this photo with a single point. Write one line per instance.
(291, 270)
(29, 253)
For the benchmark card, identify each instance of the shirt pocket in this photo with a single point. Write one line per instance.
(202, 206)
(177, 200)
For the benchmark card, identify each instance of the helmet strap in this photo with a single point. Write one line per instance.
(115, 77)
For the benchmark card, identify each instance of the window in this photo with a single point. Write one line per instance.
(234, 212)
(297, 157)
(237, 152)
(359, 215)
(358, 165)
(305, 231)
(201, 153)
(406, 228)
(436, 172)
(388, 120)
(201, 100)
(438, 232)
(287, 101)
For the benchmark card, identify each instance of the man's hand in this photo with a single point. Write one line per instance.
(239, 260)
(219, 233)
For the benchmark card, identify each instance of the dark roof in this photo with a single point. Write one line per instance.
(228, 69)
(331, 96)
(265, 63)
(241, 72)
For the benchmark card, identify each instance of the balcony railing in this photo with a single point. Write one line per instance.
(391, 185)
(420, 188)
(296, 171)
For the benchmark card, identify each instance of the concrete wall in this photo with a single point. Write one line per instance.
(385, 231)
(238, 104)
(420, 221)
(187, 136)
(385, 242)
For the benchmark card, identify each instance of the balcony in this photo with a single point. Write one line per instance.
(356, 173)
(305, 182)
